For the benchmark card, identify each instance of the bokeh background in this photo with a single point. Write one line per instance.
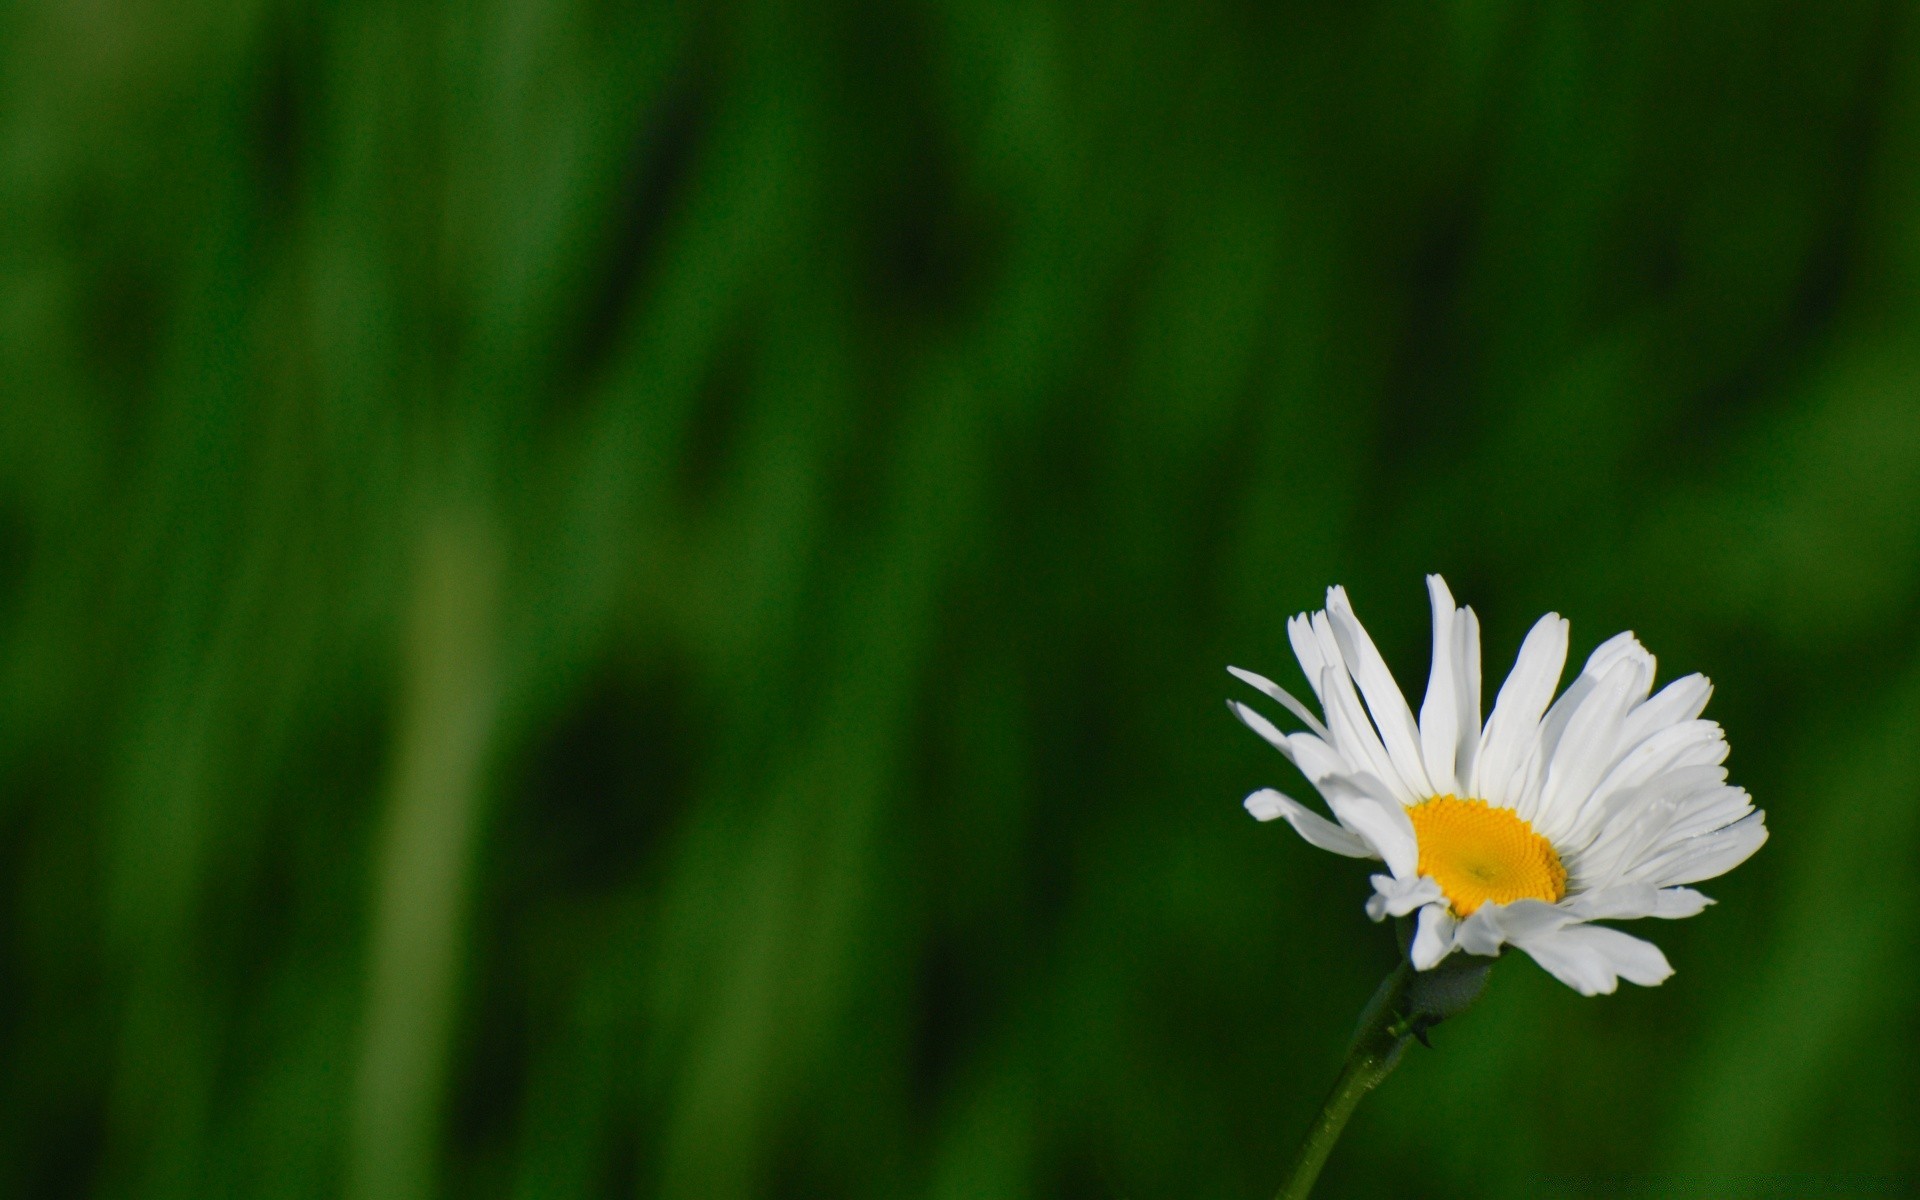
(630, 600)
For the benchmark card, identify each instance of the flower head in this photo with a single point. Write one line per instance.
(1554, 813)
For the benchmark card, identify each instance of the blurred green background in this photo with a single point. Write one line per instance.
(631, 601)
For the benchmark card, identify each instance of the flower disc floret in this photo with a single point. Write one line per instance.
(1480, 854)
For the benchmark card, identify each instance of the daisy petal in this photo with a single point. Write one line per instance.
(1677, 903)
(1635, 900)
(1466, 675)
(1267, 804)
(1315, 758)
(1364, 805)
(1592, 959)
(1307, 648)
(1706, 856)
(1440, 712)
(1635, 960)
(1689, 744)
(1398, 897)
(1354, 736)
(1276, 692)
(1385, 702)
(1260, 725)
(1589, 745)
(1432, 938)
(1682, 700)
(1512, 731)
(1526, 918)
(1480, 933)
(1621, 647)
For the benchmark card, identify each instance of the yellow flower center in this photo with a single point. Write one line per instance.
(1478, 853)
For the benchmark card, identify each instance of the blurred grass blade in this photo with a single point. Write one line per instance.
(423, 863)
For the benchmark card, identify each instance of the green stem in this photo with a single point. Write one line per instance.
(1377, 1045)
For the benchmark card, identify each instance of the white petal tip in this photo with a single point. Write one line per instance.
(1253, 679)
(1265, 805)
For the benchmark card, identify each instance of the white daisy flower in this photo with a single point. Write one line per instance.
(1596, 806)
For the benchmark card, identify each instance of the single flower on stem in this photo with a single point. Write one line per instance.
(1524, 830)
